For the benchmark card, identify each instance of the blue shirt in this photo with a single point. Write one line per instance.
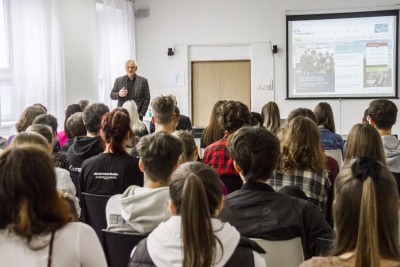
(331, 140)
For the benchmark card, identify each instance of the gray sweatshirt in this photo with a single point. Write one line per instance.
(138, 209)
(392, 152)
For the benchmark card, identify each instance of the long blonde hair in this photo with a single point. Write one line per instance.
(301, 147)
(365, 212)
(271, 116)
(364, 140)
(136, 125)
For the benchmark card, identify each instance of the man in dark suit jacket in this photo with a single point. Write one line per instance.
(132, 87)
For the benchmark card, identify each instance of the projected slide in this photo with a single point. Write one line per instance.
(344, 57)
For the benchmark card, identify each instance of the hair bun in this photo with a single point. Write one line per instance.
(363, 167)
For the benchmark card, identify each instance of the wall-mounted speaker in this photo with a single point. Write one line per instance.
(142, 13)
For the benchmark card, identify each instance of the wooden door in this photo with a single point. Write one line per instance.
(218, 80)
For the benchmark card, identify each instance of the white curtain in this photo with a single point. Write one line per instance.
(38, 56)
(116, 39)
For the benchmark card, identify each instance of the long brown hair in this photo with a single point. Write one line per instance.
(27, 117)
(364, 140)
(325, 116)
(271, 116)
(196, 193)
(213, 132)
(30, 205)
(301, 147)
(365, 213)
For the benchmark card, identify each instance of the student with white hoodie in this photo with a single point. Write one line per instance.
(141, 209)
(193, 236)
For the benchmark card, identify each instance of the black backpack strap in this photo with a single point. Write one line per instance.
(244, 241)
(243, 254)
(50, 256)
(141, 257)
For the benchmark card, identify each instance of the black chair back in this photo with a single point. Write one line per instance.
(118, 246)
(94, 211)
(232, 182)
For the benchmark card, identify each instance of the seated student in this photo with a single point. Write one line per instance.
(26, 119)
(113, 171)
(256, 210)
(193, 236)
(64, 135)
(41, 135)
(141, 209)
(75, 129)
(232, 115)
(331, 164)
(36, 228)
(302, 162)
(382, 115)
(326, 125)
(190, 152)
(213, 132)
(364, 141)
(366, 217)
(89, 145)
(60, 158)
(182, 122)
(137, 126)
(271, 117)
(256, 119)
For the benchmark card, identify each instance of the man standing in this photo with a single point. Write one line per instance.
(132, 87)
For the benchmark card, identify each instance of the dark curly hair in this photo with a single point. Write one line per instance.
(383, 112)
(233, 115)
(115, 126)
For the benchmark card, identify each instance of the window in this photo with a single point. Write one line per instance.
(6, 73)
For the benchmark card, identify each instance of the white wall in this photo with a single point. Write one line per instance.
(202, 29)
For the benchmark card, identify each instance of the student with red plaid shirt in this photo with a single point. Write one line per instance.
(232, 116)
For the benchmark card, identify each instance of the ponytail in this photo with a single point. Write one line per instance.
(197, 232)
(366, 188)
(367, 247)
(196, 193)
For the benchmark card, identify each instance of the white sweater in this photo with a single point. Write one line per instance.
(75, 245)
(164, 244)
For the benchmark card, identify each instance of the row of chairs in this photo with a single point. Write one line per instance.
(118, 246)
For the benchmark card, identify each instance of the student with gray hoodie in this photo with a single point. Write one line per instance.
(382, 115)
(141, 209)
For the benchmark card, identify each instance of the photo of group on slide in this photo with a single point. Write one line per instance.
(312, 61)
(377, 78)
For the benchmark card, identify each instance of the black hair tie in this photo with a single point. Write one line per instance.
(364, 167)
